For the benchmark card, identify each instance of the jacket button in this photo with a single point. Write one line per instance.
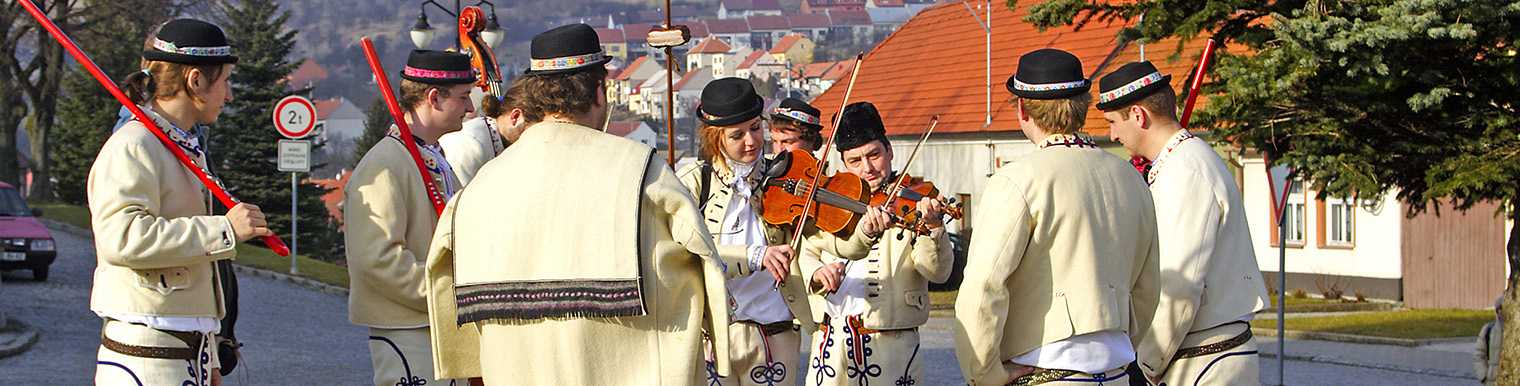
(790, 298)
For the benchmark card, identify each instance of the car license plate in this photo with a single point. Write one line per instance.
(14, 256)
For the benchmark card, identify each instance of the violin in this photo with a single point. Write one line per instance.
(904, 203)
(472, 21)
(787, 181)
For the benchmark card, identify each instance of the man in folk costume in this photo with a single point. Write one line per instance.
(1061, 275)
(873, 306)
(502, 120)
(606, 279)
(795, 125)
(389, 217)
(1211, 286)
(156, 240)
(765, 298)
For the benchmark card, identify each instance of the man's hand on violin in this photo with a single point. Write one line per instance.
(932, 211)
(829, 276)
(874, 222)
(778, 260)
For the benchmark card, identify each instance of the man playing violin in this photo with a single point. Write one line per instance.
(872, 306)
(795, 125)
(764, 290)
(1061, 272)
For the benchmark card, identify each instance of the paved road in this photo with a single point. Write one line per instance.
(299, 337)
(292, 336)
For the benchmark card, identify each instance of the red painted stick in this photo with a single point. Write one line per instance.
(1203, 64)
(406, 131)
(216, 189)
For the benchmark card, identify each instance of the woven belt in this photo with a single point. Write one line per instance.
(1213, 348)
(191, 339)
(771, 329)
(1041, 376)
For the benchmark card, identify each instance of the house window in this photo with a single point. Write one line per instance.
(1340, 222)
(1295, 214)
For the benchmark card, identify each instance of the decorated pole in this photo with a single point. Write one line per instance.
(214, 186)
(406, 131)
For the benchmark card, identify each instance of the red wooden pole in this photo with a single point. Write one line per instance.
(216, 189)
(406, 131)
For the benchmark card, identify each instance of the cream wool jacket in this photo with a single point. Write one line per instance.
(1209, 266)
(736, 257)
(1064, 244)
(388, 224)
(681, 283)
(902, 265)
(155, 237)
(469, 148)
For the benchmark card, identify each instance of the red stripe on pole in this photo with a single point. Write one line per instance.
(1203, 65)
(227, 200)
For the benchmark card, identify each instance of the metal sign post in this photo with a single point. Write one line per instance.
(294, 117)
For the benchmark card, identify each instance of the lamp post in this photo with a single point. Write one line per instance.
(422, 33)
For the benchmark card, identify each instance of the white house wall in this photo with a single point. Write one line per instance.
(1376, 236)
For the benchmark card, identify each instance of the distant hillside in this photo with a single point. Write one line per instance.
(329, 31)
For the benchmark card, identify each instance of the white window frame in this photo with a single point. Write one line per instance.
(1340, 221)
(1294, 212)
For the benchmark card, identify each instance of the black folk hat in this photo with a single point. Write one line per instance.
(1048, 74)
(566, 49)
(1128, 84)
(438, 67)
(728, 102)
(858, 125)
(796, 110)
(192, 42)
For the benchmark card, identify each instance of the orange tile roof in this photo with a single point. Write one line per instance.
(636, 33)
(785, 43)
(768, 23)
(808, 20)
(908, 83)
(889, 3)
(711, 46)
(727, 26)
(608, 35)
(333, 199)
(308, 72)
(628, 71)
(750, 60)
(839, 69)
(325, 107)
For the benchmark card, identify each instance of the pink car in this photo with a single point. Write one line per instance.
(25, 242)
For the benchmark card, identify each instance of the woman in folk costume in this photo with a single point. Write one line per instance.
(764, 294)
(156, 240)
(390, 218)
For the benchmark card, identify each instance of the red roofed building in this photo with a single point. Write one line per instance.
(813, 25)
(634, 36)
(736, 9)
(855, 25)
(764, 30)
(909, 84)
(821, 6)
(735, 32)
(307, 75)
(333, 199)
(707, 53)
(759, 65)
(613, 43)
(793, 49)
(638, 131)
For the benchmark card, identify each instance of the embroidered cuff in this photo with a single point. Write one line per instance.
(756, 255)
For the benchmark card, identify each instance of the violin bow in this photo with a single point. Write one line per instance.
(897, 186)
(823, 162)
(390, 102)
(214, 186)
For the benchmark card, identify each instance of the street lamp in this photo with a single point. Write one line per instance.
(422, 33)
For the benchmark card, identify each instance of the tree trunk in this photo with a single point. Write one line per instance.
(12, 107)
(1509, 365)
(45, 112)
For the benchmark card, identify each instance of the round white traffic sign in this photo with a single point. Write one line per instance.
(295, 117)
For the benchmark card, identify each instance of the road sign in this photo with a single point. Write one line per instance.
(295, 117)
(295, 155)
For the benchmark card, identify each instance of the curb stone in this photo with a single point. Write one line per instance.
(16, 338)
(297, 280)
(1379, 366)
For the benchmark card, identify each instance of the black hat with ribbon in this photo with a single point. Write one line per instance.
(192, 42)
(858, 125)
(796, 110)
(728, 102)
(566, 49)
(1128, 84)
(438, 67)
(1048, 74)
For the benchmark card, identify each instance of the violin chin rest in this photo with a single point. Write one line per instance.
(779, 165)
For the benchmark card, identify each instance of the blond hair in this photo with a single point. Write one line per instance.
(1058, 116)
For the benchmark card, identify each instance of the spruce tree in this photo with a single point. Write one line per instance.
(377, 120)
(244, 141)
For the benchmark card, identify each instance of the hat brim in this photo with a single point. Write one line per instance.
(733, 119)
(1127, 99)
(598, 62)
(1048, 94)
(438, 80)
(160, 56)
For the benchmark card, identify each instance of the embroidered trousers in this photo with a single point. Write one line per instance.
(1236, 366)
(403, 357)
(114, 368)
(842, 356)
(758, 359)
